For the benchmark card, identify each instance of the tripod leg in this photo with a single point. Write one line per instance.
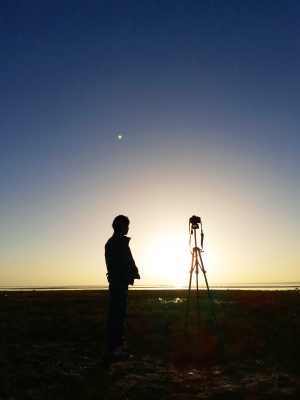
(197, 294)
(221, 345)
(189, 290)
(197, 274)
(204, 272)
(208, 289)
(197, 277)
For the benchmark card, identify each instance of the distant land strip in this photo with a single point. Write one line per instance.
(239, 286)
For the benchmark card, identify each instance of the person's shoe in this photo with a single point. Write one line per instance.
(107, 359)
(120, 355)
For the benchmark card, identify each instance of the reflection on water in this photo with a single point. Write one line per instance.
(175, 301)
(178, 300)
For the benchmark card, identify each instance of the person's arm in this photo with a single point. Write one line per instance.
(108, 261)
(133, 270)
(113, 260)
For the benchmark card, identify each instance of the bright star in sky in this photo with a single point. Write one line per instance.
(120, 136)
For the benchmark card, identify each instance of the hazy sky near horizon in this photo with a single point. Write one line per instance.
(206, 95)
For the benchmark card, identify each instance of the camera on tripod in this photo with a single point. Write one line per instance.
(197, 265)
(195, 221)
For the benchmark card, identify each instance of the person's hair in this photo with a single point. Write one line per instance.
(119, 222)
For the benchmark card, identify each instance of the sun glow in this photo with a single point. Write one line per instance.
(167, 260)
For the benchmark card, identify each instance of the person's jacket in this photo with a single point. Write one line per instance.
(121, 268)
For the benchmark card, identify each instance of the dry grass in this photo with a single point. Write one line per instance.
(51, 346)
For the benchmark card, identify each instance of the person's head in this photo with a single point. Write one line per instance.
(121, 225)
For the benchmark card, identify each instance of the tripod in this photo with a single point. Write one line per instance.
(196, 265)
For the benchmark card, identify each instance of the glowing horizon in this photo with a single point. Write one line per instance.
(208, 114)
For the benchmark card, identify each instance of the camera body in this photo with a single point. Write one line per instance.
(195, 221)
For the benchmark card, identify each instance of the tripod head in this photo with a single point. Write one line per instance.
(194, 223)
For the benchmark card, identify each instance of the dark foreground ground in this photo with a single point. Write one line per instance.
(51, 345)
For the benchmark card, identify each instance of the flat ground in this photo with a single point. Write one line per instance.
(51, 345)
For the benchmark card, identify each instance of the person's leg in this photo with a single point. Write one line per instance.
(117, 311)
(122, 314)
(112, 319)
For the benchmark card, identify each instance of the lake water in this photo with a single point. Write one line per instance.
(235, 286)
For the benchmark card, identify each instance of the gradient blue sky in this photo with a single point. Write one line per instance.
(207, 96)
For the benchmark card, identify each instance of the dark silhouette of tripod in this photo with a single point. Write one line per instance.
(197, 266)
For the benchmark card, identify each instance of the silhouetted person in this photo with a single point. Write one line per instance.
(121, 272)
